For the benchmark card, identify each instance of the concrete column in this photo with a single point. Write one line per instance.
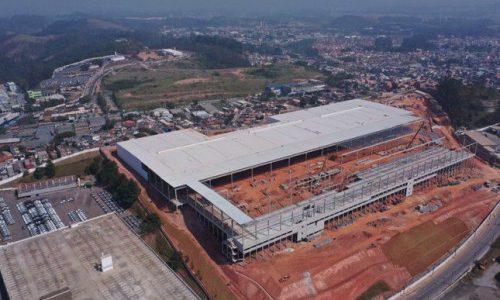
(232, 183)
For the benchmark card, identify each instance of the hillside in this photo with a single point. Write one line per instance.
(28, 58)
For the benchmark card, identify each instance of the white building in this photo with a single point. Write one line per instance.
(183, 163)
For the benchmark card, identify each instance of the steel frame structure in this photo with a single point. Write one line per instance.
(241, 236)
(307, 218)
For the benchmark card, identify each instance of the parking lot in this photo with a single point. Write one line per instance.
(71, 206)
(105, 200)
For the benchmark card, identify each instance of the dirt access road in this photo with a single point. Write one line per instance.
(345, 268)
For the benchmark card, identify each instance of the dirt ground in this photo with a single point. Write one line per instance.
(240, 73)
(358, 255)
(268, 190)
(204, 262)
(356, 259)
(148, 55)
(193, 80)
(344, 268)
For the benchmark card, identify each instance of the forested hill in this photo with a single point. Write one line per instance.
(30, 54)
(468, 105)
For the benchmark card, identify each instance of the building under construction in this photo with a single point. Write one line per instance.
(290, 179)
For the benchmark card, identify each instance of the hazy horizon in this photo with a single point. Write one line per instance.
(477, 8)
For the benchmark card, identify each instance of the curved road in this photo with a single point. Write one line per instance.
(90, 86)
(437, 283)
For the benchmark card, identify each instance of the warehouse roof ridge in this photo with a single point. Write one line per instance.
(184, 156)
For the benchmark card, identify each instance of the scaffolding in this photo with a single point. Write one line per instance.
(309, 217)
(334, 202)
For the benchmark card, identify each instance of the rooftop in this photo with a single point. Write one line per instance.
(51, 263)
(184, 156)
(484, 138)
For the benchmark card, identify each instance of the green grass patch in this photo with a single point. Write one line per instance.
(376, 289)
(422, 245)
(139, 88)
(72, 166)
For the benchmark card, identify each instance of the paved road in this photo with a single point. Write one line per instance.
(435, 286)
(90, 87)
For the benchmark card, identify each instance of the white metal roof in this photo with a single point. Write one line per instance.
(225, 206)
(184, 156)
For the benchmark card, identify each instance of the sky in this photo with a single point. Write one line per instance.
(160, 7)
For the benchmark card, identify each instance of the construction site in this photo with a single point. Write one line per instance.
(306, 171)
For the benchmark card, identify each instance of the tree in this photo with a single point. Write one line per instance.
(125, 191)
(94, 166)
(85, 99)
(175, 261)
(108, 125)
(126, 194)
(464, 103)
(151, 223)
(39, 173)
(108, 172)
(59, 138)
(50, 169)
(102, 103)
(120, 180)
(336, 80)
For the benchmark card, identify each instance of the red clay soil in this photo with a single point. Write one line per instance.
(354, 261)
(264, 192)
(206, 266)
(342, 269)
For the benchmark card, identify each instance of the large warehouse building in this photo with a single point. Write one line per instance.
(100, 258)
(205, 172)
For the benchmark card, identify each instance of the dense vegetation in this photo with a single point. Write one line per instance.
(59, 138)
(375, 290)
(28, 59)
(118, 102)
(416, 42)
(102, 103)
(49, 171)
(109, 124)
(465, 103)
(30, 104)
(383, 43)
(124, 190)
(269, 72)
(336, 80)
(214, 52)
(303, 47)
(150, 223)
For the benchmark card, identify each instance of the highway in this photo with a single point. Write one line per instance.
(439, 281)
(90, 87)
